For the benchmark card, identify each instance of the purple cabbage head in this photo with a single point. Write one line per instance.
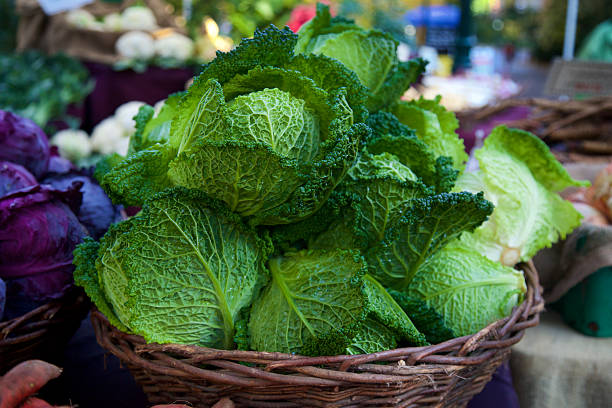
(24, 143)
(59, 164)
(38, 232)
(2, 298)
(97, 211)
(14, 177)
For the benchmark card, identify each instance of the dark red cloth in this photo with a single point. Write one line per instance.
(114, 88)
(468, 131)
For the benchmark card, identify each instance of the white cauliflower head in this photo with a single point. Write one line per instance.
(73, 144)
(112, 22)
(138, 18)
(175, 46)
(81, 18)
(125, 115)
(107, 135)
(135, 44)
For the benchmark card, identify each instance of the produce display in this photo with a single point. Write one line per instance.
(292, 203)
(595, 202)
(111, 135)
(47, 207)
(41, 88)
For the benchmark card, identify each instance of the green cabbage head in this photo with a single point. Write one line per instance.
(267, 132)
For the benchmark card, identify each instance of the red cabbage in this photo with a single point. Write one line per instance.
(14, 177)
(2, 298)
(38, 232)
(59, 164)
(23, 142)
(97, 211)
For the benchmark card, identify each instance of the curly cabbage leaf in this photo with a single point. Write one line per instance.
(467, 289)
(371, 54)
(371, 338)
(520, 176)
(152, 129)
(179, 272)
(259, 129)
(435, 126)
(313, 304)
(427, 226)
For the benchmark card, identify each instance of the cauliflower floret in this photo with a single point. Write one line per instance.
(112, 22)
(175, 46)
(125, 115)
(73, 144)
(135, 44)
(138, 18)
(158, 106)
(122, 145)
(81, 18)
(107, 135)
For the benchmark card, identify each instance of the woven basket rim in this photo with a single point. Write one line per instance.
(270, 368)
(37, 321)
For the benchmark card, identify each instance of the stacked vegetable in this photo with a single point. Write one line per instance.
(291, 203)
(46, 208)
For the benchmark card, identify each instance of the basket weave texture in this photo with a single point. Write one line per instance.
(448, 374)
(43, 332)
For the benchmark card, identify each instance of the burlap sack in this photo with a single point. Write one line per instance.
(585, 251)
(53, 34)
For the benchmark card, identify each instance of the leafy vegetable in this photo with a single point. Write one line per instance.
(371, 54)
(371, 338)
(269, 133)
(151, 128)
(38, 232)
(467, 289)
(313, 304)
(426, 227)
(96, 211)
(14, 177)
(180, 271)
(435, 126)
(23, 142)
(521, 177)
(40, 87)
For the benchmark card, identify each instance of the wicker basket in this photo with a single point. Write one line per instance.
(43, 332)
(448, 374)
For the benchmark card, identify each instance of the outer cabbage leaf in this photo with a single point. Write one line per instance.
(182, 270)
(381, 187)
(370, 54)
(467, 289)
(427, 226)
(152, 129)
(313, 305)
(521, 177)
(371, 338)
(435, 126)
(426, 319)
(383, 308)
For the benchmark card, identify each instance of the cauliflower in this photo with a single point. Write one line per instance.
(135, 44)
(122, 145)
(107, 136)
(81, 18)
(158, 106)
(138, 18)
(125, 115)
(72, 144)
(175, 46)
(112, 22)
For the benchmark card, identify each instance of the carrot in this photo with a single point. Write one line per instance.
(24, 380)
(34, 402)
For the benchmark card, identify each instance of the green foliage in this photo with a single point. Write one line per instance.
(521, 177)
(371, 54)
(41, 87)
(467, 289)
(426, 227)
(313, 305)
(152, 129)
(170, 274)
(435, 126)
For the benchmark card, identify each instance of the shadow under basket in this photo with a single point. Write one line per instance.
(43, 332)
(448, 374)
